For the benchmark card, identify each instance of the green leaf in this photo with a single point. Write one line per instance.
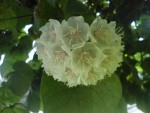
(7, 97)
(143, 102)
(35, 63)
(6, 67)
(20, 80)
(25, 44)
(122, 106)
(145, 65)
(6, 41)
(22, 11)
(6, 12)
(18, 52)
(7, 110)
(47, 11)
(33, 100)
(18, 108)
(52, 2)
(102, 98)
(75, 7)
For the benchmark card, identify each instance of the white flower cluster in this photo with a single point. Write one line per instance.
(78, 54)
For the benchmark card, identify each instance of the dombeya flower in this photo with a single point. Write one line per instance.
(74, 32)
(86, 57)
(103, 33)
(76, 54)
(49, 32)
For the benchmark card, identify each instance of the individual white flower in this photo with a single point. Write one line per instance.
(95, 75)
(71, 77)
(86, 57)
(59, 61)
(40, 50)
(50, 32)
(74, 32)
(103, 33)
(113, 59)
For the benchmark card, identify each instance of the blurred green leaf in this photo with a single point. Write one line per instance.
(122, 106)
(6, 67)
(7, 110)
(20, 80)
(146, 65)
(75, 8)
(7, 97)
(18, 52)
(6, 13)
(102, 98)
(18, 108)
(52, 2)
(35, 63)
(46, 11)
(6, 41)
(143, 102)
(33, 100)
(25, 15)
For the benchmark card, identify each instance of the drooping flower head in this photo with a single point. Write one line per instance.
(76, 54)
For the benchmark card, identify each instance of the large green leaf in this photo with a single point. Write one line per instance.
(102, 98)
(20, 80)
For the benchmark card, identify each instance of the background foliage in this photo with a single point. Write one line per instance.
(26, 87)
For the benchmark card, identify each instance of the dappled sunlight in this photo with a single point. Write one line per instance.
(31, 54)
(27, 27)
(133, 109)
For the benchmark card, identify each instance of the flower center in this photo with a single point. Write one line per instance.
(53, 35)
(85, 58)
(69, 73)
(101, 33)
(74, 33)
(60, 56)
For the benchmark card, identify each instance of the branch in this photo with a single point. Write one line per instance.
(17, 17)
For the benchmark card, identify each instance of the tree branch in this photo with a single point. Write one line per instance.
(17, 17)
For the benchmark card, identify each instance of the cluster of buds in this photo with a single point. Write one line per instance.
(78, 54)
